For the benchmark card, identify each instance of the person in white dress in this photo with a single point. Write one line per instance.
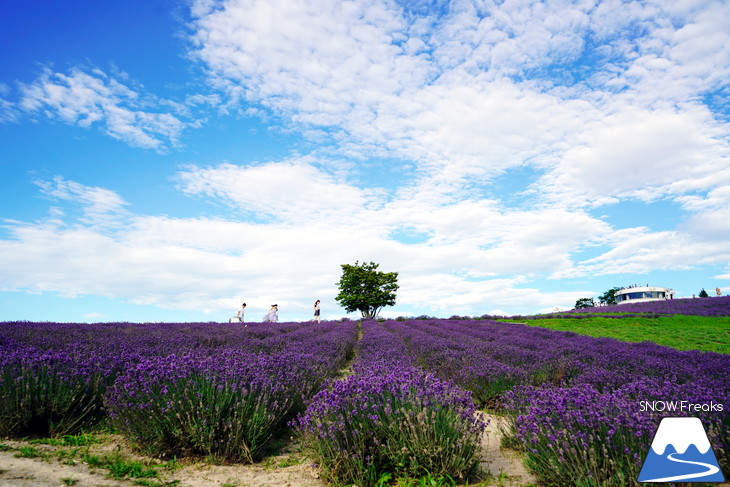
(272, 316)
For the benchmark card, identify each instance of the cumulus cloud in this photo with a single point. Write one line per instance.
(289, 190)
(639, 251)
(641, 153)
(91, 97)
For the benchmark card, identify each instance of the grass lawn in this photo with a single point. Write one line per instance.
(682, 332)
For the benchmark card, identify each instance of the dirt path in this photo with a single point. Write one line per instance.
(46, 470)
(505, 465)
(289, 469)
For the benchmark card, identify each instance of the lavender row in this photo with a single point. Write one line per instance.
(466, 350)
(133, 340)
(172, 388)
(390, 419)
(574, 401)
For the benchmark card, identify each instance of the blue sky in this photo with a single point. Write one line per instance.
(165, 161)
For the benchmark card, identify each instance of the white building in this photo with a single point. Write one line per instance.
(642, 294)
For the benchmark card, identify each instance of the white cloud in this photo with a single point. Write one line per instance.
(511, 37)
(453, 105)
(685, 53)
(8, 111)
(351, 71)
(100, 206)
(289, 190)
(644, 154)
(94, 98)
(604, 101)
(639, 251)
(210, 264)
(339, 48)
(95, 316)
(711, 225)
(474, 255)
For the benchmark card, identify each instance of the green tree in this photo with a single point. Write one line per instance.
(703, 294)
(363, 288)
(609, 297)
(584, 303)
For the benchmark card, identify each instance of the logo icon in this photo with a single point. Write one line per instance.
(681, 451)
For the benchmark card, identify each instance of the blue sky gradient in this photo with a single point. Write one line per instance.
(165, 161)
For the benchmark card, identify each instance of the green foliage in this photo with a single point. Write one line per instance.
(703, 294)
(363, 288)
(28, 452)
(67, 440)
(609, 297)
(69, 450)
(429, 481)
(386, 480)
(584, 303)
(710, 334)
(120, 467)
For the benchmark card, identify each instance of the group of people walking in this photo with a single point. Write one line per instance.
(272, 316)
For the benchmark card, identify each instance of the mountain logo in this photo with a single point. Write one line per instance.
(681, 451)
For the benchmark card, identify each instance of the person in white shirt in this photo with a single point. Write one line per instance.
(239, 315)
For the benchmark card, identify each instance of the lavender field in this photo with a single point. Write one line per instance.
(714, 306)
(372, 401)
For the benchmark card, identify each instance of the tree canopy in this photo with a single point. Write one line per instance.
(363, 288)
(585, 303)
(609, 297)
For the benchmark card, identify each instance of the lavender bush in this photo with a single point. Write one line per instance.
(390, 418)
(229, 403)
(580, 436)
(47, 393)
(225, 406)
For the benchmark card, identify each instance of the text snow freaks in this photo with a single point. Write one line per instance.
(680, 406)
